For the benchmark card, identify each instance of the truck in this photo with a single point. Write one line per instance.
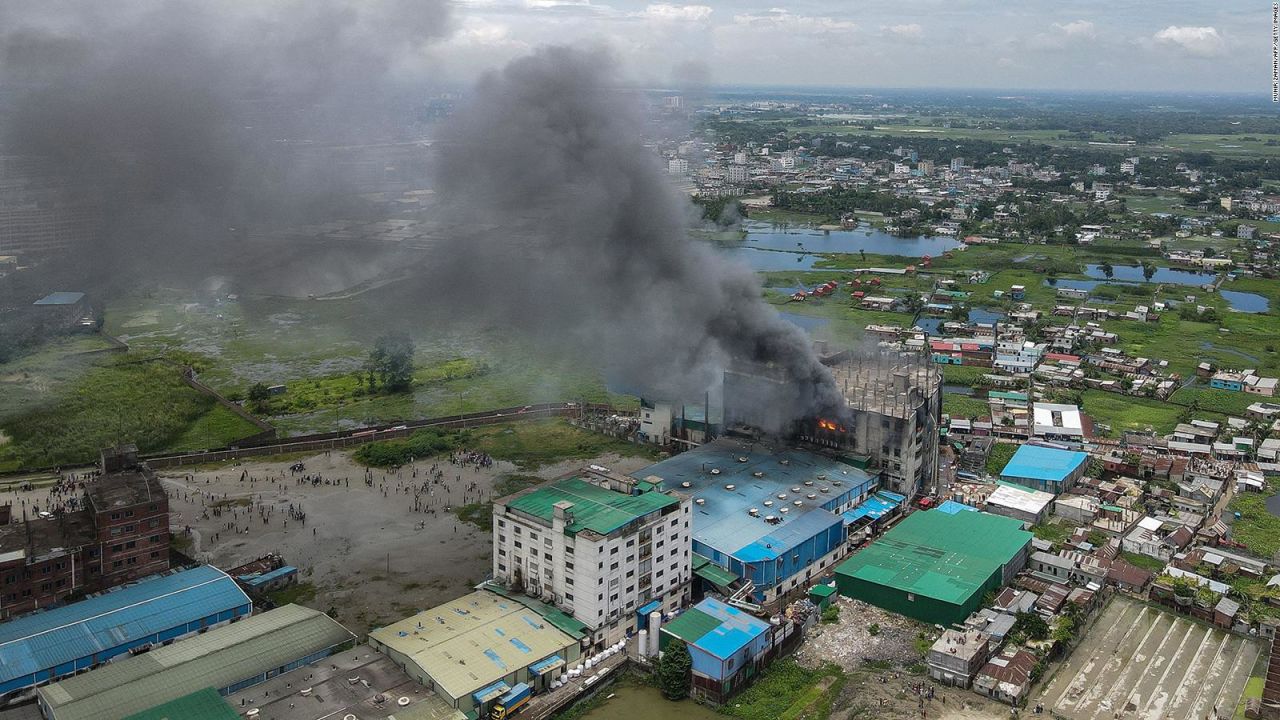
(513, 702)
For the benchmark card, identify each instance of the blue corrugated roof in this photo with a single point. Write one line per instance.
(60, 298)
(736, 630)
(54, 637)
(1043, 463)
(873, 507)
(264, 578)
(951, 507)
(722, 521)
(784, 537)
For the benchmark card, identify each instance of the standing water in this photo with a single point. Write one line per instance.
(644, 702)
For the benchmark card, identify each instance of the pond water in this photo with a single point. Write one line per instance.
(950, 389)
(804, 322)
(1242, 301)
(1245, 302)
(801, 239)
(933, 326)
(1133, 273)
(770, 261)
(1273, 505)
(631, 702)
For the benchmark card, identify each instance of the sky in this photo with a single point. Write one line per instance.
(1113, 45)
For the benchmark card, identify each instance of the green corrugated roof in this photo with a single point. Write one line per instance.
(822, 590)
(561, 620)
(204, 704)
(939, 555)
(219, 658)
(595, 508)
(707, 570)
(691, 625)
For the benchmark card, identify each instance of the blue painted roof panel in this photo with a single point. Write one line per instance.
(45, 640)
(1043, 463)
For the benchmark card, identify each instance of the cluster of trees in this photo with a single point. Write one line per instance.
(723, 211)
(673, 671)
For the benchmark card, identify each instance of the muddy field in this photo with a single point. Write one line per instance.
(375, 545)
(1147, 664)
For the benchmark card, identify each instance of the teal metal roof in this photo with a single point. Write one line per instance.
(595, 508)
(113, 619)
(946, 556)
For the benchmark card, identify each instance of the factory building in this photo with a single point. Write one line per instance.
(472, 650)
(773, 517)
(1045, 468)
(79, 636)
(599, 545)
(118, 532)
(935, 566)
(728, 647)
(891, 415)
(227, 659)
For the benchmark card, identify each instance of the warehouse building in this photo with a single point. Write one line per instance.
(598, 544)
(472, 650)
(728, 647)
(227, 659)
(55, 643)
(204, 704)
(774, 517)
(1045, 468)
(936, 566)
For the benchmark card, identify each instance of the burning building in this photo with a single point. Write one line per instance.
(892, 407)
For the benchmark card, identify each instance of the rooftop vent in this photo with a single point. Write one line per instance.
(743, 458)
(730, 487)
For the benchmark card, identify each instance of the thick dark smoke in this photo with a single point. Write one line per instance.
(594, 250)
(186, 125)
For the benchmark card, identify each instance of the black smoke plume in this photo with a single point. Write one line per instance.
(594, 249)
(184, 126)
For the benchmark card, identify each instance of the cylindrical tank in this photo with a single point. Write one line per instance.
(655, 631)
(642, 646)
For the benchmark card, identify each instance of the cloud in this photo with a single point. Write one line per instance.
(1078, 28)
(1198, 41)
(666, 12)
(781, 19)
(911, 31)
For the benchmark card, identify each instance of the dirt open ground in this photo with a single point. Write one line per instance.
(1141, 663)
(370, 555)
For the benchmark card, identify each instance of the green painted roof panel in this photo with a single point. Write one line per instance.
(937, 555)
(595, 508)
(691, 625)
(709, 571)
(204, 704)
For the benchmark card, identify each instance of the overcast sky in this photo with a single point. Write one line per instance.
(1200, 45)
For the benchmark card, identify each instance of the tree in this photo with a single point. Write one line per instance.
(1107, 269)
(1148, 271)
(1031, 626)
(673, 671)
(392, 362)
(259, 393)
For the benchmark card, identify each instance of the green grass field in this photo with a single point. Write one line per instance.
(1123, 412)
(1257, 528)
(141, 401)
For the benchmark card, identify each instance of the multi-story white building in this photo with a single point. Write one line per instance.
(677, 166)
(599, 545)
(736, 173)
